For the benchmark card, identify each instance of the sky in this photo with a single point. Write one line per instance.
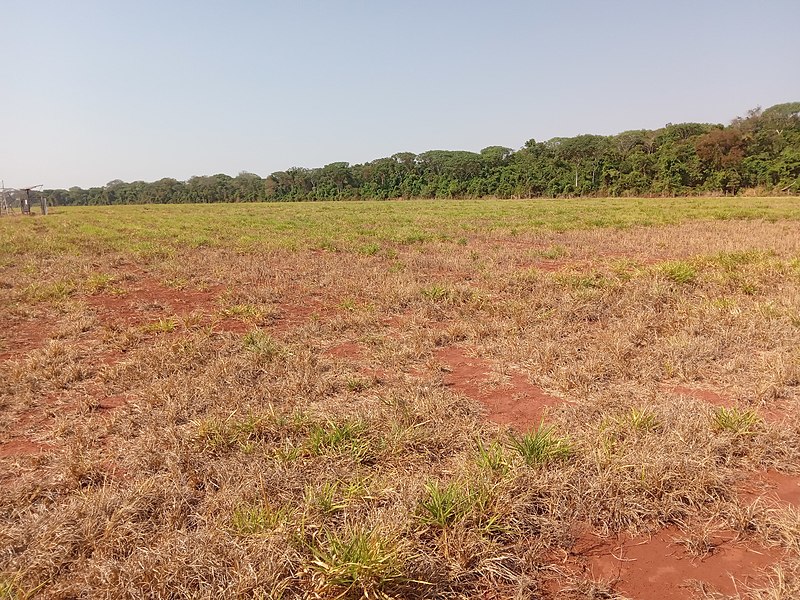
(100, 90)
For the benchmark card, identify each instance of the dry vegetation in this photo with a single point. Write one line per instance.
(245, 415)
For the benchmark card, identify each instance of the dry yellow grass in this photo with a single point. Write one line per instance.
(219, 423)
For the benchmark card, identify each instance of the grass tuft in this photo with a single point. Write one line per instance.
(541, 446)
(358, 562)
(492, 458)
(261, 344)
(436, 293)
(554, 252)
(642, 420)
(326, 497)
(243, 311)
(444, 505)
(161, 326)
(679, 271)
(257, 519)
(740, 422)
(345, 438)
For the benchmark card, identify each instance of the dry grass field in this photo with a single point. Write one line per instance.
(498, 399)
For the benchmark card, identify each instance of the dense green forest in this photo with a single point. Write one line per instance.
(759, 151)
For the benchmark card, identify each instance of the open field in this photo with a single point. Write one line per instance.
(430, 399)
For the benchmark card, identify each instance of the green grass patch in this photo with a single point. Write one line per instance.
(161, 326)
(553, 252)
(261, 344)
(678, 271)
(541, 446)
(444, 505)
(492, 458)
(49, 292)
(348, 438)
(736, 421)
(243, 311)
(357, 563)
(155, 232)
(258, 519)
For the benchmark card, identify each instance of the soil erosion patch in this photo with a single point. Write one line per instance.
(519, 403)
(152, 299)
(772, 487)
(660, 567)
(18, 338)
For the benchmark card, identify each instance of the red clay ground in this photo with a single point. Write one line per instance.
(771, 487)
(660, 567)
(293, 314)
(20, 447)
(346, 350)
(519, 404)
(705, 395)
(642, 568)
(19, 337)
(151, 300)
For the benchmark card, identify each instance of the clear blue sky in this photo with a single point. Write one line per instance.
(101, 90)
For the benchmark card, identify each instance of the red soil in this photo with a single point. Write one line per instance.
(519, 404)
(644, 568)
(19, 447)
(232, 325)
(345, 350)
(396, 321)
(151, 300)
(294, 314)
(776, 412)
(705, 395)
(17, 338)
(772, 487)
(111, 402)
(111, 357)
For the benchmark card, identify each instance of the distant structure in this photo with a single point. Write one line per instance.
(10, 197)
(5, 209)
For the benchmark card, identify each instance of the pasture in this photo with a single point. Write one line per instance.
(574, 399)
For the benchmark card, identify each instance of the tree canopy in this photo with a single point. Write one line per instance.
(760, 150)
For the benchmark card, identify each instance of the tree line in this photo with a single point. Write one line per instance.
(760, 150)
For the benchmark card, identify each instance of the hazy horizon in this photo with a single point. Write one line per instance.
(96, 92)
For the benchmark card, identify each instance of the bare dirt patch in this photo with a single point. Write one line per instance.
(289, 315)
(19, 337)
(706, 395)
(232, 325)
(346, 350)
(517, 403)
(771, 487)
(151, 300)
(111, 357)
(659, 566)
(21, 447)
(111, 402)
